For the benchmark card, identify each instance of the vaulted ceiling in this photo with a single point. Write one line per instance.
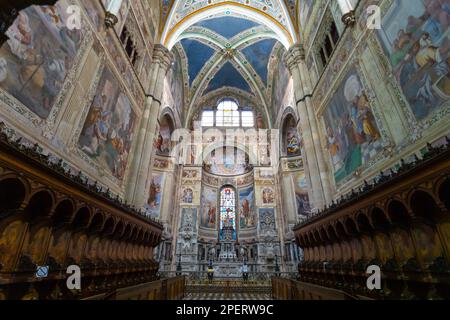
(227, 44)
(280, 14)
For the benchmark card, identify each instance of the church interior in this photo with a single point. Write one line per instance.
(212, 149)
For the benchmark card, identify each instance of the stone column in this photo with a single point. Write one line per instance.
(324, 176)
(287, 196)
(137, 186)
(168, 200)
(348, 13)
(321, 191)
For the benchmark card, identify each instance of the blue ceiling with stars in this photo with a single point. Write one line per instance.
(228, 76)
(227, 51)
(228, 26)
(198, 54)
(258, 55)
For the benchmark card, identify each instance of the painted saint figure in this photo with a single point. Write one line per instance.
(155, 194)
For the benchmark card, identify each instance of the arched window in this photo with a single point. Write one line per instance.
(227, 231)
(228, 114)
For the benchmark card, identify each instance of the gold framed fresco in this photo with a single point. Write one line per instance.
(414, 40)
(40, 61)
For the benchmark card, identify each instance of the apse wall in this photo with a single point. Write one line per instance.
(257, 213)
(76, 92)
(244, 185)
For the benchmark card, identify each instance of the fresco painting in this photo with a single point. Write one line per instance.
(293, 142)
(40, 52)
(268, 196)
(292, 138)
(188, 195)
(415, 37)
(353, 136)
(176, 83)
(301, 195)
(163, 143)
(94, 14)
(209, 208)
(229, 162)
(280, 84)
(305, 11)
(108, 130)
(257, 55)
(247, 208)
(153, 206)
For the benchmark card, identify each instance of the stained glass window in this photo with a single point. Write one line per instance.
(227, 214)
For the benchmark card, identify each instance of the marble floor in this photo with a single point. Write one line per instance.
(229, 296)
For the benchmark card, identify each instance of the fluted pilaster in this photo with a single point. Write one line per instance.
(308, 126)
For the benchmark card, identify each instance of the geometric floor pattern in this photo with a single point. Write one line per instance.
(229, 296)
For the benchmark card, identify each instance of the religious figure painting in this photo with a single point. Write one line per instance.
(293, 142)
(209, 207)
(155, 197)
(281, 80)
(268, 196)
(188, 195)
(353, 136)
(163, 140)
(246, 208)
(108, 130)
(415, 37)
(301, 195)
(37, 57)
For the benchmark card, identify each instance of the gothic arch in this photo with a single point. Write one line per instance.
(171, 33)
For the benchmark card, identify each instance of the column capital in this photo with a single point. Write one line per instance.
(349, 19)
(294, 56)
(162, 56)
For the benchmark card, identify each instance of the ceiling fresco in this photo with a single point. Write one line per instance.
(227, 26)
(279, 10)
(227, 50)
(228, 76)
(198, 54)
(258, 55)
